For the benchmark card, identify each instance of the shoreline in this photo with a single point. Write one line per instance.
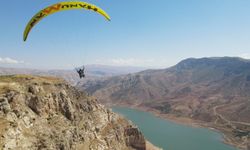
(226, 139)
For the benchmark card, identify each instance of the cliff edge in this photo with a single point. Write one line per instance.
(46, 113)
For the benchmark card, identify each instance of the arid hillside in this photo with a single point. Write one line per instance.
(212, 90)
(47, 113)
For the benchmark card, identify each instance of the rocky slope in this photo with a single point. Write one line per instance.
(211, 90)
(46, 113)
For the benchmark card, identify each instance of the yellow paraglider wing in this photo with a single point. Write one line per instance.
(60, 7)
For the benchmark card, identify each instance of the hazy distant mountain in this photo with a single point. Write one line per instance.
(93, 72)
(104, 70)
(191, 88)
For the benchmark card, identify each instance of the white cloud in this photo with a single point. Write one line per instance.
(134, 62)
(130, 61)
(8, 60)
(245, 55)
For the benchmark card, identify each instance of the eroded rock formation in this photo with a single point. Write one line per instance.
(46, 113)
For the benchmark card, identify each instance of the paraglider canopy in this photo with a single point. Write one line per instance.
(61, 6)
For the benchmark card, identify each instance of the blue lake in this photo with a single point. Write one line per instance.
(172, 136)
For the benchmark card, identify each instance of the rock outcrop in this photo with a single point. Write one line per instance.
(46, 113)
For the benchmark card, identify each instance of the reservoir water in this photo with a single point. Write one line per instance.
(172, 136)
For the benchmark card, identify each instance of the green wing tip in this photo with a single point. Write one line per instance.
(24, 39)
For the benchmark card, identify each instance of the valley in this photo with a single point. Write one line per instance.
(208, 92)
(205, 92)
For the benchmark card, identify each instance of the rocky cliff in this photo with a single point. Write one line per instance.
(46, 113)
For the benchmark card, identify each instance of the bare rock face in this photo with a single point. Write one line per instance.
(39, 113)
(135, 138)
(4, 105)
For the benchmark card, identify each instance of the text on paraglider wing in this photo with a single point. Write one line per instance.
(61, 7)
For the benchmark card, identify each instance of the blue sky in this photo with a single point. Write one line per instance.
(141, 33)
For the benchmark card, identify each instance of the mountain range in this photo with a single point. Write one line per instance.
(92, 72)
(213, 90)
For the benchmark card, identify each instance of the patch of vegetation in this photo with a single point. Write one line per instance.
(241, 133)
(164, 108)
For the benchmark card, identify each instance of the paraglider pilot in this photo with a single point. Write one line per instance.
(80, 71)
